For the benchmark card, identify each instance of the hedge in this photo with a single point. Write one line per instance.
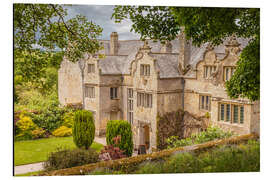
(127, 164)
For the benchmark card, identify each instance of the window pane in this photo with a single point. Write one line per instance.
(242, 114)
(138, 99)
(235, 113)
(202, 104)
(227, 74)
(206, 71)
(228, 112)
(151, 100)
(222, 112)
(115, 92)
(207, 103)
(111, 93)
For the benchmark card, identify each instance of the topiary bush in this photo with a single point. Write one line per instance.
(83, 129)
(122, 128)
(66, 158)
(62, 131)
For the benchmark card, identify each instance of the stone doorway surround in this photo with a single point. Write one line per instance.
(144, 137)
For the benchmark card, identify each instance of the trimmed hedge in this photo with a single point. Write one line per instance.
(66, 158)
(83, 130)
(122, 128)
(128, 164)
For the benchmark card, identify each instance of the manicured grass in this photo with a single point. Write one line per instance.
(33, 151)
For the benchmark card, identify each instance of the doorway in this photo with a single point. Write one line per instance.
(146, 136)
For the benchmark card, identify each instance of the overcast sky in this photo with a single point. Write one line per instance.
(101, 15)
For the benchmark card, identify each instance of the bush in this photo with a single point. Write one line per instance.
(49, 119)
(66, 158)
(229, 158)
(24, 128)
(83, 129)
(210, 134)
(122, 128)
(38, 133)
(62, 132)
(68, 119)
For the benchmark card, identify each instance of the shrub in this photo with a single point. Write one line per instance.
(122, 128)
(49, 119)
(25, 126)
(65, 158)
(210, 134)
(228, 158)
(62, 131)
(38, 133)
(68, 119)
(111, 152)
(83, 129)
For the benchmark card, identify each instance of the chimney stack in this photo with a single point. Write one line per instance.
(184, 51)
(166, 48)
(114, 43)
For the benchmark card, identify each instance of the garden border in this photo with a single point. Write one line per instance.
(126, 163)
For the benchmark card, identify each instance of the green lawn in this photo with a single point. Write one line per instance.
(33, 151)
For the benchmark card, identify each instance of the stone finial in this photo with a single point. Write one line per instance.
(166, 48)
(146, 48)
(232, 41)
(232, 46)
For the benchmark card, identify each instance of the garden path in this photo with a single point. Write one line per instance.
(38, 166)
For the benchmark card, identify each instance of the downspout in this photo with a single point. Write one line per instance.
(183, 93)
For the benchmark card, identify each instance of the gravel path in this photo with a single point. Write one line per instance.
(38, 166)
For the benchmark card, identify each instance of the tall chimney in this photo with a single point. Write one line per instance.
(114, 43)
(166, 48)
(184, 51)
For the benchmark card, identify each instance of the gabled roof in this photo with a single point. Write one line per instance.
(167, 63)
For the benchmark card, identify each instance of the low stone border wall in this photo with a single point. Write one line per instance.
(126, 163)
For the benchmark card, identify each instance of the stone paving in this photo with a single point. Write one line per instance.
(38, 166)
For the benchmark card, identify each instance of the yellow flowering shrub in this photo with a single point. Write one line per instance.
(25, 127)
(38, 133)
(62, 131)
(25, 123)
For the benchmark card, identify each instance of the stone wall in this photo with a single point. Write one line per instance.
(69, 83)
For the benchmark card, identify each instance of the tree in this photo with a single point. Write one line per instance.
(46, 26)
(205, 25)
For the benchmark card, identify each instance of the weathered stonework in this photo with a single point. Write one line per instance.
(170, 88)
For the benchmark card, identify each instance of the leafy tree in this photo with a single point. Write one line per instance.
(204, 25)
(47, 26)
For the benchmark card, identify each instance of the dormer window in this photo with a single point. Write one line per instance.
(91, 68)
(145, 70)
(208, 70)
(228, 72)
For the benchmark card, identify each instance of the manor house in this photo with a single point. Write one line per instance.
(139, 80)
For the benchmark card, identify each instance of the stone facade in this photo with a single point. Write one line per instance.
(137, 81)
